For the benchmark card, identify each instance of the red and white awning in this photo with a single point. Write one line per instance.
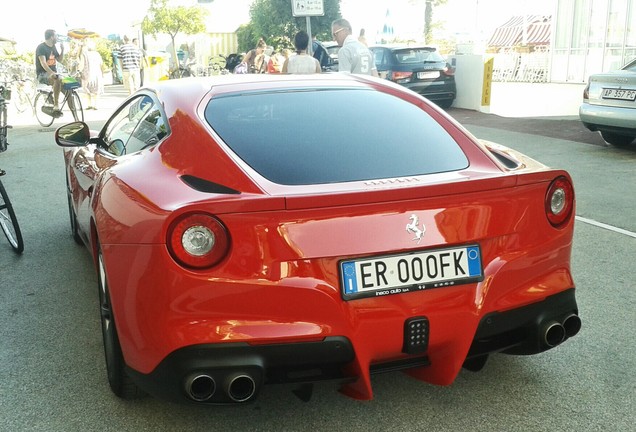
(510, 34)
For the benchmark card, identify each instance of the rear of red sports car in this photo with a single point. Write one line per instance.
(291, 231)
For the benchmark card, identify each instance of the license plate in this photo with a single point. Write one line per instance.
(428, 75)
(398, 274)
(621, 94)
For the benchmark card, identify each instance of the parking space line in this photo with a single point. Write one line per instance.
(606, 226)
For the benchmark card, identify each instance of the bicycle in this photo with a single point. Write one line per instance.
(23, 86)
(8, 219)
(43, 104)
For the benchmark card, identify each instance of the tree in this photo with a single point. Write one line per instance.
(162, 18)
(273, 21)
(428, 17)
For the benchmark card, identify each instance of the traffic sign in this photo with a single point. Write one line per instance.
(302, 8)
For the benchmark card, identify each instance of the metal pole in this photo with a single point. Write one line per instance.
(311, 42)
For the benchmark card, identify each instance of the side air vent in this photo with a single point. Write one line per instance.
(206, 186)
(507, 161)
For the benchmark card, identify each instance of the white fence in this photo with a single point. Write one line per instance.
(513, 66)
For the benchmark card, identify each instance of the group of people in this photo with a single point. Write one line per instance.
(90, 66)
(353, 57)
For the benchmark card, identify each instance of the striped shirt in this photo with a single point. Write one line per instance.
(130, 57)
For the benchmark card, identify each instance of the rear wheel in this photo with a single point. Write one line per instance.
(444, 103)
(119, 381)
(44, 102)
(616, 139)
(9, 222)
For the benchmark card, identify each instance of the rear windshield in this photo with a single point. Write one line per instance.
(417, 55)
(337, 135)
(631, 66)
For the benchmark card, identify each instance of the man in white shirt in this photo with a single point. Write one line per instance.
(354, 56)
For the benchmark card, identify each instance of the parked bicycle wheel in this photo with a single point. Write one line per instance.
(23, 95)
(75, 105)
(3, 128)
(43, 104)
(9, 222)
(180, 73)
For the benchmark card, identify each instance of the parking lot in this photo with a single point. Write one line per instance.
(52, 364)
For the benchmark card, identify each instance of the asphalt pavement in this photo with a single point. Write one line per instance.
(566, 128)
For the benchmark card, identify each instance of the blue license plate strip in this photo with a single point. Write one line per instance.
(416, 271)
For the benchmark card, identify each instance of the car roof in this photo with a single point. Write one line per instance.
(394, 47)
(197, 87)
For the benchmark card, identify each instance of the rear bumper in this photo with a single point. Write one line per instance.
(611, 119)
(435, 91)
(518, 331)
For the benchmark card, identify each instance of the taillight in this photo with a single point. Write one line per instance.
(448, 70)
(559, 202)
(198, 240)
(586, 92)
(401, 77)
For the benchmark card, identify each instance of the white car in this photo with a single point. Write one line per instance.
(609, 105)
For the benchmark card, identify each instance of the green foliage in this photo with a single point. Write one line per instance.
(105, 49)
(273, 21)
(162, 18)
(246, 36)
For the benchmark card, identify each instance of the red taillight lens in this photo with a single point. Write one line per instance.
(559, 202)
(586, 92)
(400, 77)
(448, 70)
(198, 240)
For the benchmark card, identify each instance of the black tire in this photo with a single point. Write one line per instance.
(43, 99)
(9, 222)
(120, 383)
(616, 139)
(75, 105)
(445, 103)
(72, 216)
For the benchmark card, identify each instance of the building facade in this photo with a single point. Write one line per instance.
(591, 36)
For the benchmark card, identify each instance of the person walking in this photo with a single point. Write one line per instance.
(130, 57)
(353, 56)
(46, 58)
(90, 67)
(302, 62)
(143, 64)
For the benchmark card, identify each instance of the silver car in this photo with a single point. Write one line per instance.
(609, 105)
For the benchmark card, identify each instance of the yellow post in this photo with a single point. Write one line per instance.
(487, 84)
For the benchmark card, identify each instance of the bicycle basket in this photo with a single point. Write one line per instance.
(70, 83)
(5, 93)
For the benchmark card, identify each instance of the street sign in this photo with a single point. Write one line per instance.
(307, 8)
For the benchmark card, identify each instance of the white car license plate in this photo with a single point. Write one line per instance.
(397, 274)
(428, 75)
(621, 94)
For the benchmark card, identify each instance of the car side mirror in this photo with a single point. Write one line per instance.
(75, 134)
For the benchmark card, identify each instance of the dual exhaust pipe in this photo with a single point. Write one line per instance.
(555, 332)
(238, 387)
